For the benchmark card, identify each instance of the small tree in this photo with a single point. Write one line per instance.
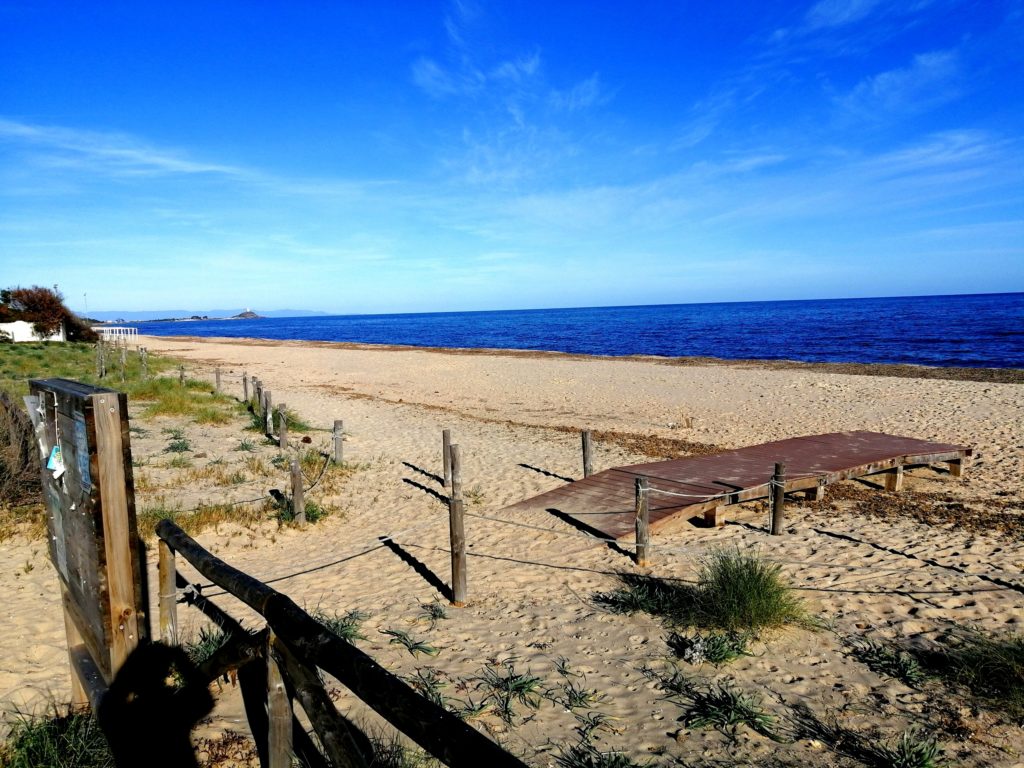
(44, 308)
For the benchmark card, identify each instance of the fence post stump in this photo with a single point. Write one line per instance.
(144, 362)
(168, 594)
(643, 522)
(588, 466)
(282, 427)
(298, 504)
(216, 375)
(456, 529)
(778, 499)
(279, 712)
(181, 375)
(339, 439)
(245, 386)
(446, 456)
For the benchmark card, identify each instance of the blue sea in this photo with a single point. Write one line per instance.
(983, 330)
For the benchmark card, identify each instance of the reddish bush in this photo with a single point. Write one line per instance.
(44, 308)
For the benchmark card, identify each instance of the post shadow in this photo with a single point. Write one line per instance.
(426, 489)
(428, 575)
(547, 473)
(436, 478)
(612, 544)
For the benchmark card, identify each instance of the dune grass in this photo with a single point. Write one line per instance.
(66, 738)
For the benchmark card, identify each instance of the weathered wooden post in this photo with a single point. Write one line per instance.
(168, 594)
(245, 386)
(298, 504)
(124, 360)
(456, 529)
(216, 375)
(588, 466)
(339, 439)
(181, 375)
(268, 413)
(894, 479)
(279, 711)
(446, 456)
(144, 362)
(643, 522)
(282, 427)
(778, 498)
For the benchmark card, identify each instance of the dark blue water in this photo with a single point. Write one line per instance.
(985, 330)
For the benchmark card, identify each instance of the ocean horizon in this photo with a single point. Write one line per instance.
(965, 330)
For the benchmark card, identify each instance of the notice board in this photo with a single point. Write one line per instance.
(94, 544)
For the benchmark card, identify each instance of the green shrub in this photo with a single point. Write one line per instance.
(69, 740)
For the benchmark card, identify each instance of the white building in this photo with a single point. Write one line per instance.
(19, 330)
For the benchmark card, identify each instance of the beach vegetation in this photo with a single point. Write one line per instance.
(720, 705)
(391, 752)
(572, 693)
(202, 648)
(413, 646)
(71, 737)
(246, 445)
(887, 659)
(429, 684)
(737, 593)
(712, 647)
(991, 667)
(433, 612)
(586, 755)
(503, 687)
(347, 626)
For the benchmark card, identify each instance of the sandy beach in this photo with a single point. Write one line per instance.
(864, 560)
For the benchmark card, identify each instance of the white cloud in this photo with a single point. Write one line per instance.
(837, 13)
(929, 80)
(585, 94)
(111, 153)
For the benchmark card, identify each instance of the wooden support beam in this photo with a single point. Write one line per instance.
(339, 439)
(715, 517)
(168, 579)
(446, 457)
(588, 464)
(778, 489)
(957, 467)
(279, 712)
(894, 479)
(456, 530)
(643, 522)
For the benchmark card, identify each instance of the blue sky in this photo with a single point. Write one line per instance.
(418, 156)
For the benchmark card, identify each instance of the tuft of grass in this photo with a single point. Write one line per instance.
(206, 644)
(887, 659)
(572, 694)
(503, 686)
(736, 593)
(990, 666)
(180, 462)
(429, 684)
(415, 647)
(69, 738)
(433, 613)
(586, 755)
(913, 750)
(724, 707)
(347, 626)
(246, 445)
(390, 752)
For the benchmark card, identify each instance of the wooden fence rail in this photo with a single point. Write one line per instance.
(306, 643)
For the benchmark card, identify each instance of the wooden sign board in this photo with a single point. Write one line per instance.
(94, 543)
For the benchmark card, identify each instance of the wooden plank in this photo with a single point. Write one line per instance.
(279, 712)
(117, 541)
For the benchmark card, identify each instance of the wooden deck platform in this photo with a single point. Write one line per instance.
(704, 485)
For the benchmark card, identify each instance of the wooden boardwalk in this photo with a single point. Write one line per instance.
(704, 485)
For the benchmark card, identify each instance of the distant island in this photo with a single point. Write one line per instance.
(247, 315)
(120, 317)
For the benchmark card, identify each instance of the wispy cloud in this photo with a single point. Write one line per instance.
(836, 13)
(929, 80)
(109, 153)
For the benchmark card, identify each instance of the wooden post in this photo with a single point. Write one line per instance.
(168, 595)
(245, 386)
(257, 395)
(282, 427)
(956, 467)
(456, 529)
(124, 361)
(298, 505)
(144, 362)
(216, 374)
(778, 487)
(181, 374)
(268, 413)
(643, 522)
(339, 438)
(588, 466)
(279, 711)
(446, 457)
(894, 479)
